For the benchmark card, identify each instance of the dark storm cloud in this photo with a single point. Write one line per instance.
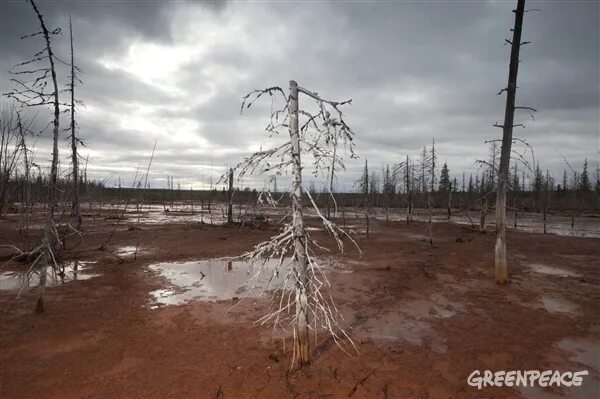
(176, 71)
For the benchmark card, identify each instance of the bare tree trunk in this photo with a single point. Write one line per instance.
(301, 347)
(482, 215)
(74, 158)
(469, 217)
(430, 218)
(192, 199)
(449, 204)
(49, 238)
(408, 193)
(501, 270)
(331, 177)
(431, 191)
(26, 203)
(546, 198)
(230, 204)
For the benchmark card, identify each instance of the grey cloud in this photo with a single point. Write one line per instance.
(415, 71)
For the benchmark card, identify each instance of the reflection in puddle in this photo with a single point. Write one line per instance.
(68, 271)
(554, 271)
(217, 280)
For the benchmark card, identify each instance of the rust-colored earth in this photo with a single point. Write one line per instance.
(423, 318)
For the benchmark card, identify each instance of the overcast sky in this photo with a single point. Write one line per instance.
(175, 72)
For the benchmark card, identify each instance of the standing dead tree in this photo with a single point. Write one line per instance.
(76, 202)
(333, 169)
(501, 270)
(11, 147)
(428, 165)
(32, 91)
(313, 306)
(483, 206)
(405, 170)
(26, 202)
(230, 199)
(490, 170)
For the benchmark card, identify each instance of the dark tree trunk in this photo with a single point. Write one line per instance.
(501, 270)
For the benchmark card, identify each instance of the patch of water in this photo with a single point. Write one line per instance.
(558, 305)
(69, 271)
(551, 270)
(211, 280)
(130, 250)
(413, 324)
(527, 222)
(582, 351)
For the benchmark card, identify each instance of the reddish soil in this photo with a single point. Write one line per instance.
(422, 317)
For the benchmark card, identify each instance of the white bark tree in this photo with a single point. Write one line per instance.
(310, 306)
(33, 92)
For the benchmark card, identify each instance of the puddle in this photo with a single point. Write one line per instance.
(582, 351)
(527, 222)
(211, 280)
(413, 323)
(551, 270)
(130, 250)
(73, 271)
(436, 306)
(557, 305)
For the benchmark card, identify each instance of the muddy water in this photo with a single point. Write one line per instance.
(211, 280)
(412, 322)
(529, 222)
(552, 270)
(559, 305)
(186, 213)
(584, 355)
(181, 212)
(73, 271)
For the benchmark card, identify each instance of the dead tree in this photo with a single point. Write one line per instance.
(32, 92)
(409, 190)
(450, 203)
(310, 304)
(483, 206)
(76, 202)
(546, 187)
(333, 170)
(10, 151)
(515, 187)
(482, 214)
(428, 165)
(404, 170)
(230, 199)
(501, 270)
(429, 205)
(26, 202)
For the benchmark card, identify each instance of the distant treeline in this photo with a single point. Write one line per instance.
(575, 194)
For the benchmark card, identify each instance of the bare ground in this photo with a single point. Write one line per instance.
(423, 319)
